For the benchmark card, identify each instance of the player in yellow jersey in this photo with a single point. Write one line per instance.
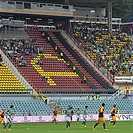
(101, 117)
(2, 116)
(113, 112)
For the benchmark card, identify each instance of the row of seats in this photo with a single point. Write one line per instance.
(94, 80)
(113, 52)
(51, 63)
(124, 105)
(9, 83)
(23, 107)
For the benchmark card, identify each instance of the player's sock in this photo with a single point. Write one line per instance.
(5, 126)
(114, 123)
(66, 125)
(9, 126)
(95, 125)
(84, 124)
(104, 126)
(69, 124)
(55, 121)
(111, 121)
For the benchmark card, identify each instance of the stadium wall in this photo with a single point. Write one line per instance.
(90, 12)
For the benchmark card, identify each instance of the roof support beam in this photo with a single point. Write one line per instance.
(109, 16)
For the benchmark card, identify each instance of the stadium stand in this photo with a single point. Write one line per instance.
(118, 54)
(17, 33)
(9, 83)
(38, 107)
(58, 66)
(95, 81)
(22, 106)
(124, 105)
(50, 65)
(42, 65)
(50, 70)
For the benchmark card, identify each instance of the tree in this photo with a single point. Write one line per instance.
(123, 9)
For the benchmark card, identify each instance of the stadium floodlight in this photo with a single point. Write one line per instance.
(27, 18)
(73, 10)
(39, 19)
(92, 10)
(35, 21)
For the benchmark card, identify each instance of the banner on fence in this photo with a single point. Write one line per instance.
(123, 79)
(61, 118)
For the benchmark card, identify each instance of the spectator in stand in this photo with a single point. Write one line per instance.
(16, 49)
(48, 39)
(0, 60)
(34, 55)
(61, 55)
(22, 63)
(114, 51)
(127, 89)
(41, 62)
(97, 97)
(34, 40)
(56, 48)
(43, 34)
(87, 97)
(68, 64)
(35, 27)
(74, 69)
(40, 50)
(84, 79)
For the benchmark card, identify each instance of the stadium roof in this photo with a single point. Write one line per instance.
(86, 3)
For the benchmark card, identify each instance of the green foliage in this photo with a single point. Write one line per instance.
(123, 9)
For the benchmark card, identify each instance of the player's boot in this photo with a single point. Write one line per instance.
(9, 129)
(3, 130)
(93, 128)
(105, 129)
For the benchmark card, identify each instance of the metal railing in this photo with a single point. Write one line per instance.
(15, 91)
(102, 69)
(102, 20)
(15, 70)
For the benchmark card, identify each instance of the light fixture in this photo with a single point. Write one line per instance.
(27, 18)
(39, 19)
(92, 10)
(35, 21)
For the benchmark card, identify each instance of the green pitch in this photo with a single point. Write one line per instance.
(121, 127)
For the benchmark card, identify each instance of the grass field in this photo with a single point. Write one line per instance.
(121, 127)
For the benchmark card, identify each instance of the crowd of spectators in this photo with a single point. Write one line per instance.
(113, 52)
(17, 49)
(1, 60)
